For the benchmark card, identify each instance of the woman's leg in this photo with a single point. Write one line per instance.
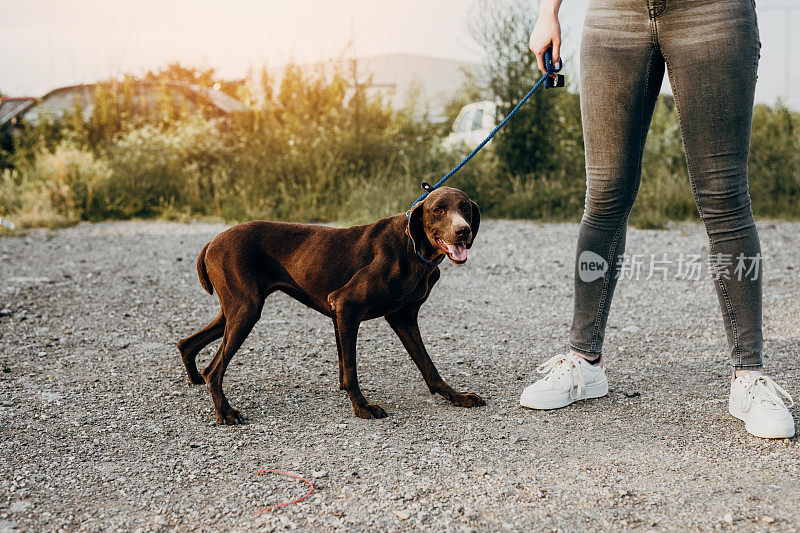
(712, 49)
(621, 74)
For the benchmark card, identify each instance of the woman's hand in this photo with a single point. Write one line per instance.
(547, 33)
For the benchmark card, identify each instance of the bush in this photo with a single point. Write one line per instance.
(58, 188)
(775, 161)
(317, 149)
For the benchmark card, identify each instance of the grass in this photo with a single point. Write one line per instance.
(314, 151)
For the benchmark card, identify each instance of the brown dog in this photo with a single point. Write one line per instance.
(348, 274)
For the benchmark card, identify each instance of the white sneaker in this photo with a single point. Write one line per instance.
(569, 378)
(756, 400)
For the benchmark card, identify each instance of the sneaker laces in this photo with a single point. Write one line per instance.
(559, 365)
(764, 389)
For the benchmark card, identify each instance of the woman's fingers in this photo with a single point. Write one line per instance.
(539, 49)
(540, 60)
(556, 50)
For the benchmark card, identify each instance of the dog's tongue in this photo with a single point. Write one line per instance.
(456, 251)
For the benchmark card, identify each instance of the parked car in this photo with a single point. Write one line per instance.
(58, 102)
(474, 122)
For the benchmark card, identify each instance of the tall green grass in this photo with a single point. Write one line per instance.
(317, 149)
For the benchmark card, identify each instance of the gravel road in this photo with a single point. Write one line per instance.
(101, 429)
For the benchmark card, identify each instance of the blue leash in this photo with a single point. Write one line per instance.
(551, 79)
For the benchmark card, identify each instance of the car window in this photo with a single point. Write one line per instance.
(9, 107)
(223, 101)
(463, 122)
(477, 120)
(56, 105)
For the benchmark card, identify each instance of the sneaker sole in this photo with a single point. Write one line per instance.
(595, 390)
(761, 432)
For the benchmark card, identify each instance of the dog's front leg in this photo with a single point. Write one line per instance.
(346, 322)
(404, 323)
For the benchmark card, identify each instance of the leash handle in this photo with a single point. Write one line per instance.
(548, 62)
(553, 78)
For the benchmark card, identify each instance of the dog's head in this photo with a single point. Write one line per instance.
(445, 223)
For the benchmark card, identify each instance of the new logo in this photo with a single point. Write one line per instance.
(591, 266)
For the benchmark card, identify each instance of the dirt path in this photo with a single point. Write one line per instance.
(101, 429)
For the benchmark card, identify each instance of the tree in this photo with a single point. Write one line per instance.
(532, 142)
(178, 73)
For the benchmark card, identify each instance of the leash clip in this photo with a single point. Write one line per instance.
(427, 187)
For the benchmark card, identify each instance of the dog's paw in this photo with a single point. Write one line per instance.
(370, 410)
(230, 417)
(467, 399)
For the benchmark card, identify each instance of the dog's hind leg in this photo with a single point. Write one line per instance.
(191, 346)
(339, 353)
(239, 323)
(404, 323)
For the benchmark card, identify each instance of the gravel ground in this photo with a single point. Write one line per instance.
(101, 429)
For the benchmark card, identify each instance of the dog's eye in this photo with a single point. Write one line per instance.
(438, 211)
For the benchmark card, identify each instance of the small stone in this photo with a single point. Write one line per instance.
(403, 515)
(728, 518)
(767, 519)
(5, 311)
(319, 474)
(8, 403)
(20, 507)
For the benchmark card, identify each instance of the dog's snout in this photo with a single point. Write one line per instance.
(463, 231)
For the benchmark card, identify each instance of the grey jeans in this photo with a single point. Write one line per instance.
(710, 49)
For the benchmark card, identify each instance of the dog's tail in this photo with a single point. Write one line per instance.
(201, 271)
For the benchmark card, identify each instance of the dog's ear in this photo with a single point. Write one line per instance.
(415, 228)
(475, 223)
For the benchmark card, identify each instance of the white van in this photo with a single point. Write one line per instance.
(473, 124)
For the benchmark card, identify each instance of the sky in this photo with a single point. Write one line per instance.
(50, 43)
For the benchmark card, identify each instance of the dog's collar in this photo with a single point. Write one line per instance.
(431, 263)
(416, 250)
